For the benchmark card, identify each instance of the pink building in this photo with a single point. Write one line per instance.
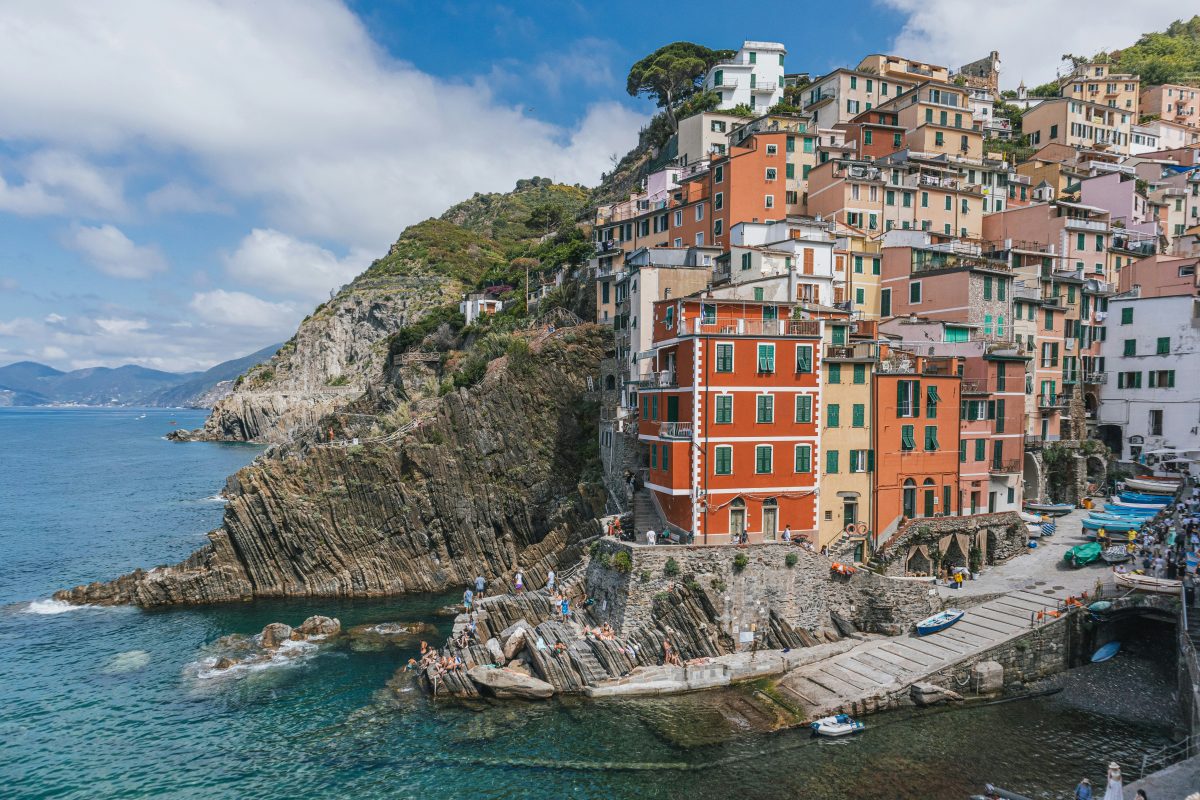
(1173, 103)
(1162, 276)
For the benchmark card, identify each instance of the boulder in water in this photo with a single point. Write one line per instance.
(504, 683)
(318, 625)
(274, 635)
(515, 637)
(928, 694)
(224, 662)
(381, 635)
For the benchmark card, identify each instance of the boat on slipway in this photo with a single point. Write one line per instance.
(1082, 554)
(1144, 499)
(1131, 509)
(1116, 554)
(1145, 485)
(939, 622)
(1146, 583)
(1111, 525)
(1106, 652)
(1053, 509)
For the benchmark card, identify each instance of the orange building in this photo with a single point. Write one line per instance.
(730, 419)
(916, 433)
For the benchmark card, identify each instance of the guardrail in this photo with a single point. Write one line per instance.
(675, 430)
(750, 327)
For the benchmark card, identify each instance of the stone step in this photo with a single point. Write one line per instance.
(905, 657)
(857, 665)
(831, 683)
(891, 665)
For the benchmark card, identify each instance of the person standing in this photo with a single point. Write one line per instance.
(519, 582)
(480, 585)
(467, 597)
(1115, 787)
(550, 580)
(1084, 790)
(650, 536)
(787, 533)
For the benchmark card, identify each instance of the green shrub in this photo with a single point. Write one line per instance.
(644, 576)
(717, 584)
(740, 561)
(693, 585)
(338, 380)
(790, 559)
(662, 597)
(671, 568)
(622, 563)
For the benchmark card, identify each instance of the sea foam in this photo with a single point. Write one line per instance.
(54, 607)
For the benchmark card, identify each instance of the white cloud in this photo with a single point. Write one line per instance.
(274, 260)
(113, 253)
(1030, 37)
(291, 104)
(179, 197)
(122, 327)
(242, 310)
(54, 319)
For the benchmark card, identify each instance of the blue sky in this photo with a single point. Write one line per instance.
(180, 183)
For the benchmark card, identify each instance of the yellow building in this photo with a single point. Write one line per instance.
(849, 363)
(856, 273)
(1096, 83)
(1078, 123)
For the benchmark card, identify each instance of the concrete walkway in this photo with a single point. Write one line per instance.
(1175, 782)
(1031, 583)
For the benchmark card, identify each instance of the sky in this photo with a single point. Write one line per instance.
(181, 183)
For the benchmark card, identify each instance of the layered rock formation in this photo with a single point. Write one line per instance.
(488, 483)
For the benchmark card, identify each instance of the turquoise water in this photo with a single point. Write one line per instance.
(108, 703)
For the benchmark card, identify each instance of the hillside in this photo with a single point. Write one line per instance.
(1170, 56)
(209, 386)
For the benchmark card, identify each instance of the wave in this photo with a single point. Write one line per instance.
(216, 498)
(54, 607)
(288, 654)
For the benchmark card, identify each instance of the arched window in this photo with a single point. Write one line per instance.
(610, 382)
(930, 497)
(910, 498)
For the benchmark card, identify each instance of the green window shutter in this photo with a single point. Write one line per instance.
(987, 287)
(803, 358)
(885, 303)
(874, 266)
(859, 415)
(839, 334)
(962, 449)
(854, 464)
(1130, 347)
(831, 462)
(1164, 345)
(723, 461)
(762, 459)
(858, 264)
(724, 358)
(835, 373)
(803, 458)
(803, 408)
(833, 414)
(653, 406)
(1127, 315)
(666, 458)
(790, 170)
(980, 446)
(766, 358)
(902, 409)
(860, 373)
(907, 440)
(1001, 289)
(653, 457)
(931, 442)
(999, 416)
(870, 461)
(724, 409)
(766, 408)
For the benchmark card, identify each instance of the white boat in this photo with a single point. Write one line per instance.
(1030, 519)
(1115, 554)
(1146, 583)
(1152, 487)
(838, 725)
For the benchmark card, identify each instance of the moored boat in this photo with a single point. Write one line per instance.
(1132, 509)
(1110, 525)
(991, 792)
(1146, 583)
(1145, 485)
(1053, 509)
(837, 725)
(1082, 554)
(1104, 516)
(939, 621)
(1106, 652)
(1115, 554)
(1028, 518)
(1144, 499)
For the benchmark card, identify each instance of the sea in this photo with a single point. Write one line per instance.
(122, 702)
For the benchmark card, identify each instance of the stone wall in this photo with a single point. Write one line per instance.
(805, 595)
(1000, 537)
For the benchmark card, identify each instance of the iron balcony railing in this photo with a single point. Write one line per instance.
(675, 430)
(750, 327)
(656, 380)
(1095, 377)
(1008, 466)
(974, 386)
(1074, 223)
(851, 352)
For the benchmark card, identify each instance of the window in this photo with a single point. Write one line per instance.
(858, 417)
(772, 149)
(931, 402)
(835, 373)
(1099, 243)
(790, 170)
(718, 200)
(914, 292)
(746, 260)
(724, 409)
(1001, 289)
(987, 287)
(907, 440)
(766, 358)
(908, 402)
(924, 199)
(771, 173)
(719, 175)
(1164, 346)
(653, 456)
(831, 462)
(980, 449)
(874, 266)
(962, 450)
(867, 137)
(762, 459)
(769, 201)
(885, 303)
(803, 458)
(833, 416)
(803, 408)
(725, 357)
(860, 373)
(699, 212)
(654, 406)
(803, 358)
(1156, 422)
(889, 197)
(860, 296)
(666, 457)
(861, 461)
(1130, 347)
(723, 460)
(931, 442)
(766, 408)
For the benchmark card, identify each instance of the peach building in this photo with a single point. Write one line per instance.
(1078, 123)
(1173, 103)
(1096, 83)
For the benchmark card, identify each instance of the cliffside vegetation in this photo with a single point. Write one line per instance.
(1170, 56)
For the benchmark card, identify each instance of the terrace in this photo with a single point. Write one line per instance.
(738, 326)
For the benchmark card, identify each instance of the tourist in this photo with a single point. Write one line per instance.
(565, 607)
(1115, 788)
(650, 536)
(958, 579)
(467, 596)
(1172, 572)
(480, 585)
(1141, 795)
(787, 533)
(550, 580)
(1084, 790)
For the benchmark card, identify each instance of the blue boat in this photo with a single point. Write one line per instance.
(1111, 526)
(1144, 499)
(1106, 652)
(939, 622)
(1117, 518)
(1117, 507)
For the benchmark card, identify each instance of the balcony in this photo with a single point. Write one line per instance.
(1095, 378)
(766, 87)
(750, 327)
(1009, 466)
(657, 380)
(675, 430)
(933, 260)
(862, 351)
(974, 386)
(1052, 401)
(1076, 224)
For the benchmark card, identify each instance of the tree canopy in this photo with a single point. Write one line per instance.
(1172, 56)
(672, 73)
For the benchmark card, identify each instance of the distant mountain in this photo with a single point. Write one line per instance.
(211, 385)
(30, 383)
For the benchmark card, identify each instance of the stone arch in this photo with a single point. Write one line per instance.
(1097, 470)
(1032, 473)
(610, 382)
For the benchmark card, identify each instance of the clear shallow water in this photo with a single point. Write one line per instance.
(105, 702)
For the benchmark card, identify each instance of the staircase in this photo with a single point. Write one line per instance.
(645, 515)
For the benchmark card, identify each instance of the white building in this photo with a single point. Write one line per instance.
(753, 77)
(477, 305)
(797, 252)
(1143, 139)
(1151, 394)
(704, 135)
(1171, 135)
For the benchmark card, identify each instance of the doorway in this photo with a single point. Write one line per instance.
(910, 498)
(849, 513)
(737, 519)
(770, 520)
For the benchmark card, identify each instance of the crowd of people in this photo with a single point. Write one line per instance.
(1169, 545)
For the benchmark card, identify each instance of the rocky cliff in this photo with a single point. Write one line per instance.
(492, 479)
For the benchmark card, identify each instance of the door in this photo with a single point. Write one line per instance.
(1045, 429)
(849, 513)
(991, 502)
(910, 502)
(672, 408)
(929, 495)
(974, 502)
(737, 522)
(770, 523)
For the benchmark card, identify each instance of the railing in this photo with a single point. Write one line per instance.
(1095, 377)
(974, 386)
(1051, 401)
(928, 260)
(1074, 223)
(656, 380)
(861, 350)
(1008, 466)
(675, 430)
(750, 327)
(763, 86)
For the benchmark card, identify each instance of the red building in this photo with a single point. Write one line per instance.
(731, 417)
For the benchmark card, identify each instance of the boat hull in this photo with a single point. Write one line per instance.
(1145, 583)
(1119, 526)
(1106, 652)
(1152, 487)
(1053, 509)
(939, 622)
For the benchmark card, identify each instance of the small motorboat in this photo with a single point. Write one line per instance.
(1115, 554)
(1118, 519)
(1110, 525)
(1053, 509)
(1082, 554)
(1146, 583)
(1144, 499)
(1153, 487)
(939, 621)
(1131, 509)
(1106, 652)
(837, 725)
(991, 792)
